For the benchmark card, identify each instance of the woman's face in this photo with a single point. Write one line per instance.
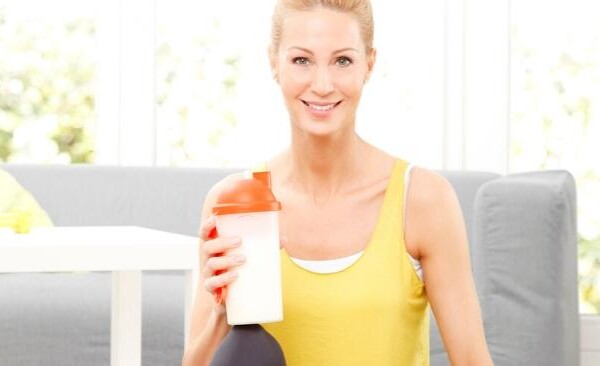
(321, 65)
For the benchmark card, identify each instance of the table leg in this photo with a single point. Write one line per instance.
(126, 319)
(191, 284)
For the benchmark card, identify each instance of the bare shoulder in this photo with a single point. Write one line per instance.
(215, 190)
(428, 189)
(432, 209)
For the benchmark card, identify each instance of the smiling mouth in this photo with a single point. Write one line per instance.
(321, 107)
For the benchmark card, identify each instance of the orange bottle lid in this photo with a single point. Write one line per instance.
(247, 195)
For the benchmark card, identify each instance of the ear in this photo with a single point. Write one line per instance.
(371, 58)
(274, 62)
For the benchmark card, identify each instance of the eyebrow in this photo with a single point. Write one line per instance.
(334, 52)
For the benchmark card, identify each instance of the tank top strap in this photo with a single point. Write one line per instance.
(260, 167)
(394, 196)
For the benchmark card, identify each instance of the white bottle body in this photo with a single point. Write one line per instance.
(255, 296)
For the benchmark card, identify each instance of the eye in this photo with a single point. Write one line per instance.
(300, 61)
(343, 61)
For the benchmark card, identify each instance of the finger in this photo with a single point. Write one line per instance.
(283, 241)
(208, 228)
(219, 281)
(220, 245)
(215, 264)
(220, 295)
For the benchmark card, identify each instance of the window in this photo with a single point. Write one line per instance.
(216, 97)
(47, 64)
(555, 119)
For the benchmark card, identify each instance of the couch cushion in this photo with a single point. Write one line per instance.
(525, 266)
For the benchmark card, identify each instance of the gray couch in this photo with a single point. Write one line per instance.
(522, 234)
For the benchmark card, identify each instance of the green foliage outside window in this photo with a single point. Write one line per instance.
(46, 89)
(197, 74)
(555, 120)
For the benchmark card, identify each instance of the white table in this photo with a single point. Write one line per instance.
(124, 250)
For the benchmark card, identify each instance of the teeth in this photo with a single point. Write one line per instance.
(321, 107)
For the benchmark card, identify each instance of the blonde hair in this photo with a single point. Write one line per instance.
(361, 9)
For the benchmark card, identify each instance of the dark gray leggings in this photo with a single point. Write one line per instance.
(248, 345)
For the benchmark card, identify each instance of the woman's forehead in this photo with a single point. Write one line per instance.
(320, 29)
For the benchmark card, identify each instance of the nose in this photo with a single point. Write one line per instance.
(322, 83)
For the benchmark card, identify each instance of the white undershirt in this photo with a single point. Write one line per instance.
(339, 264)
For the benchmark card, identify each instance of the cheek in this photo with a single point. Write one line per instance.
(351, 84)
(293, 81)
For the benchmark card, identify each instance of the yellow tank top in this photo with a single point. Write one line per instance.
(372, 313)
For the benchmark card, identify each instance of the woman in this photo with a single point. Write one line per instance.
(366, 248)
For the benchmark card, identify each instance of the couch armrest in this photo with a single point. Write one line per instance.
(525, 268)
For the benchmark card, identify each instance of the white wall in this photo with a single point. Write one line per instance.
(434, 98)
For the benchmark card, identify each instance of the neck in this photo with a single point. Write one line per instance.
(321, 167)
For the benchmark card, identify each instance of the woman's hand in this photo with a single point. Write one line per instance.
(218, 268)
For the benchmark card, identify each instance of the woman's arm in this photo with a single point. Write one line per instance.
(435, 228)
(208, 324)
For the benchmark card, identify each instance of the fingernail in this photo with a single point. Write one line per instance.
(240, 258)
(236, 242)
(213, 233)
(233, 274)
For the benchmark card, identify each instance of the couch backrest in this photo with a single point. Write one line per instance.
(466, 184)
(161, 198)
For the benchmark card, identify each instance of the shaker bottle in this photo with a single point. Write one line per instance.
(248, 209)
